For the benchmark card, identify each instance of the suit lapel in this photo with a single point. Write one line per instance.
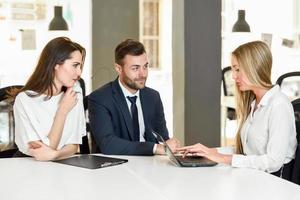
(144, 103)
(122, 104)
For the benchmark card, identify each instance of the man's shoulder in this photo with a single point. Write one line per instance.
(150, 91)
(103, 91)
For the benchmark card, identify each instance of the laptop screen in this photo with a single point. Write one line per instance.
(168, 149)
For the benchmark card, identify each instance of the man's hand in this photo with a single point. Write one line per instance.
(160, 149)
(173, 143)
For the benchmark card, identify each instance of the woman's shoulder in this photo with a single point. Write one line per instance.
(25, 96)
(22, 95)
(280, 99)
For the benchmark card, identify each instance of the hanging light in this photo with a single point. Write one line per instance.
(58, 23)
(241, 25)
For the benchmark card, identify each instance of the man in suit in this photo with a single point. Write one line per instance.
(123, 113)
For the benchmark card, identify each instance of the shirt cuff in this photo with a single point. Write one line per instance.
(238, 160)
(154, 148)
(226, 150)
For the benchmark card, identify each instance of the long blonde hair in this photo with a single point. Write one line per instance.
(255, 59)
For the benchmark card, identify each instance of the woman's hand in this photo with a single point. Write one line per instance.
(43, 152)
(68, 101)
(34, 144)
(210, 153)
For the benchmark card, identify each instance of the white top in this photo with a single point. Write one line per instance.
(139, 108)
(268, 134)
(34, 117)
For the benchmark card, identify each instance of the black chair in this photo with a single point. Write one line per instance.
(91, 141)
(4, 92)
(8, 153)
(296, 169)
(85, 146)
(228, 109)
(227, 81)
(292, 89)
(287, 75)
(6, 108)
(228, 89)
(290, 84)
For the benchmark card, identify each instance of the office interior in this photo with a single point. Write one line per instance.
(188, 43)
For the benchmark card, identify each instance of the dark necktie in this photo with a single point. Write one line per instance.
(135, 118)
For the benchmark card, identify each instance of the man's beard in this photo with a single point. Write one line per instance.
(132, 84)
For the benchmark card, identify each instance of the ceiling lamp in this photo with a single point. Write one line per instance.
(241, 25)
(58, 23)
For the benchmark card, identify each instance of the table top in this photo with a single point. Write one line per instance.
(153, 177)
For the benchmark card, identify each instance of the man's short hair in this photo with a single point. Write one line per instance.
(128, 47)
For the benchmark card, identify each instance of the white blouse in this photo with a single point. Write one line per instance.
(34, 117)
(268, 134)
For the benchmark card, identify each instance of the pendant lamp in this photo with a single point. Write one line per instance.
(58, 23)
(241, 25)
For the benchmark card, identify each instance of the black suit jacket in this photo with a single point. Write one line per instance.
(111, 123)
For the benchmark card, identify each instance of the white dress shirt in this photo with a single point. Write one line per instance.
(139, 108)
(268, 135)
(140, 111)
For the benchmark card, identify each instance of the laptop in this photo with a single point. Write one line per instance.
(91, 161)
(188, 161)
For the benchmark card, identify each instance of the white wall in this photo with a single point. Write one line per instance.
(264, 16)
(16, 65)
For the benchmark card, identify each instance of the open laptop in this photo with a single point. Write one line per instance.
(188, 161)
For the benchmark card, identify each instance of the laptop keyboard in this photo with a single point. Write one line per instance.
(189, 158)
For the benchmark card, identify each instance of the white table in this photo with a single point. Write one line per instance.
(141, 178)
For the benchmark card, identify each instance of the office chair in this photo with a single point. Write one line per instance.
(228, 89)
(290, 84)
(88, 142)
(85, 146)
(6, 109)
(296, 169)
(228, 83)
(228, 109)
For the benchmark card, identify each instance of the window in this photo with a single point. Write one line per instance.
(156, 35)
(149, 30)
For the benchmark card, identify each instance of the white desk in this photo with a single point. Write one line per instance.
(140, 178)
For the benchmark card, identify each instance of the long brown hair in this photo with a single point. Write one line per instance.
(55, 52)
(255, 59)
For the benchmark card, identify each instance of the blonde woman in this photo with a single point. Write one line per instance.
(266, 136)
